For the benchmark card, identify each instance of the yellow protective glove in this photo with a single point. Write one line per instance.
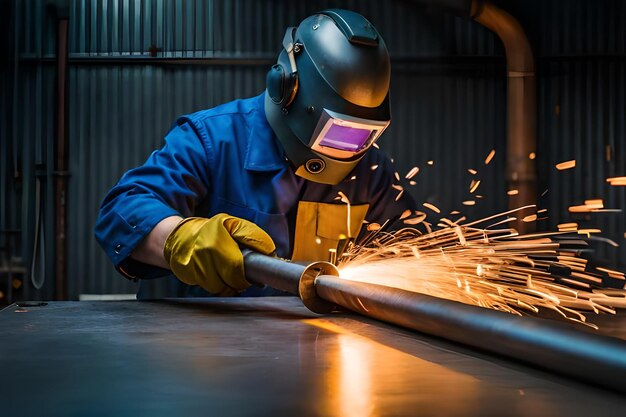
(205, 252)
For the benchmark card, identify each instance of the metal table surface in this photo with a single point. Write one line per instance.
(259, 356)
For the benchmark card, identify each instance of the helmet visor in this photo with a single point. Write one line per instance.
(342, 136)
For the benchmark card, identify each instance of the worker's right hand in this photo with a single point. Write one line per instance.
(206, 252)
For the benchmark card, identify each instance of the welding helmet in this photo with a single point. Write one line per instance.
(327, 97)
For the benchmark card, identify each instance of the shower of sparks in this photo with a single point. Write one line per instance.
(488, 264)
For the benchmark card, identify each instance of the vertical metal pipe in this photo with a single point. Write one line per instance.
(61, 163)
(521, 173)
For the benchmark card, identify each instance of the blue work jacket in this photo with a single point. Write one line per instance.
(228, 160)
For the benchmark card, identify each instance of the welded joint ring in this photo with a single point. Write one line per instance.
(306, 287)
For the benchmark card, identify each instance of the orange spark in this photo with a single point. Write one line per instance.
(566, 165)
(432, 207)
(588, 231)
(474, 185)
(420, 216)
(416, 220)
(595, 203)
(412, 173)
(617, 181)
(567, 227)
(592, 206)
(490, 156)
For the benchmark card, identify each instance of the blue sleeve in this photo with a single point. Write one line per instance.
(172, 182)
(383, 204)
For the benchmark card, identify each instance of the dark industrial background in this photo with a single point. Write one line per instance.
(134, 66)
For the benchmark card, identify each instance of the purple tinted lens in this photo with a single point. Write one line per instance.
(345, 138)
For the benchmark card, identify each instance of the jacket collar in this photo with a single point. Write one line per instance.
(264, 152)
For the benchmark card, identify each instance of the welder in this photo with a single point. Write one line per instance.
(292, 172)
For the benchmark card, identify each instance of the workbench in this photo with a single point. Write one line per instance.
(260, 357)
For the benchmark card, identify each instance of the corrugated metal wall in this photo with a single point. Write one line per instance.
(581, 50)
(448, 99)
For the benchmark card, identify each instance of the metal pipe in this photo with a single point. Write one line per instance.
(521, 141)
(291, 277)
(553, 346)
(61, 165)
(597, 359)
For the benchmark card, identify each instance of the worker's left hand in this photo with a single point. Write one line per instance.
(206, 252)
